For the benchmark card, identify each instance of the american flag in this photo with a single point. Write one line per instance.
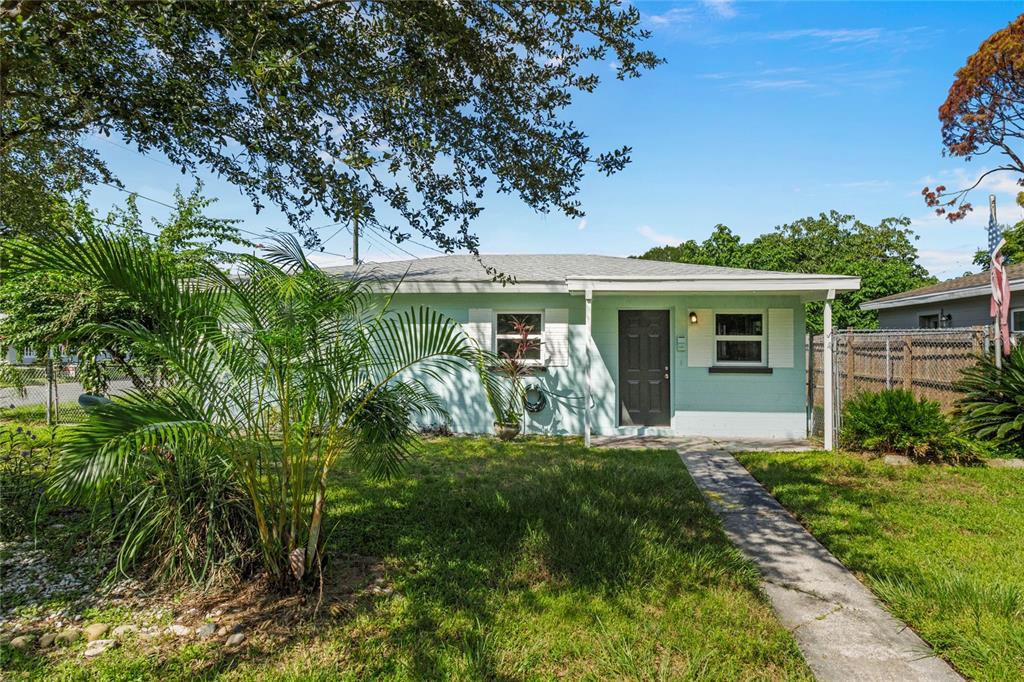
(1000, 307)
(995, 230)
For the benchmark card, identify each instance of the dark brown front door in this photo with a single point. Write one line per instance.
(644, 368)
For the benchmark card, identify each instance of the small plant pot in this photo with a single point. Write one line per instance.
(506, 431)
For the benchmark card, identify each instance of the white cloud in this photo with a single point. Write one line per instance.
(828, 35)
(862, 184)
(774, 84)
(582, 225)
(1002, 184)
(657, 237)
(823, 80)
(946, 263)
(723, 8)
(674, 16)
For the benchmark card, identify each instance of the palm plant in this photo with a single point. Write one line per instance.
(992, 407)
(277, 370)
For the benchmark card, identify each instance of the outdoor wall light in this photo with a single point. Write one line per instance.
(693, 317)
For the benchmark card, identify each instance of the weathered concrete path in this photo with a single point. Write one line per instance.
(841, 628)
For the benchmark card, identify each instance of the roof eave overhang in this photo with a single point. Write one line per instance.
(470, 287)
(809, 288)
(939, 296)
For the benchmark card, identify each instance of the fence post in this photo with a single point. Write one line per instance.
(809, 345)
(851, 363)
(888, 362)
(908, 363)
(828, 375)
(49, 387)
(56, 389)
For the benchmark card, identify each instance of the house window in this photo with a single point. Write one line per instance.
(1017, 320)
(739, 338)
(927, 321)
(519, 336)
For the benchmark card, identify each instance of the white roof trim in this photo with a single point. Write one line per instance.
(470, 288)
(704, 283)
(939, 296)
(806, 285)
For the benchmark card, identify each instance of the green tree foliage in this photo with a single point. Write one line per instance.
(277, 371)
(1013, 250)
(46, 308)
(400, 111)
(883, 256)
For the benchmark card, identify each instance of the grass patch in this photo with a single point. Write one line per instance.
(23, 414)
(531, 560)
(941, 546)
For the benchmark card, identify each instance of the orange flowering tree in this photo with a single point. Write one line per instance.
(984, 113)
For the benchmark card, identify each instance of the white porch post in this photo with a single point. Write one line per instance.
(828, 387)
(587, 390)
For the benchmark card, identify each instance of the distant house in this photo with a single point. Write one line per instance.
(960, 302)
(627, 345)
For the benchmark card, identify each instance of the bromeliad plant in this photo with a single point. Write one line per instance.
(275, 372)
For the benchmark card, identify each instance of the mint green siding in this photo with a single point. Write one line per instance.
(746, 403)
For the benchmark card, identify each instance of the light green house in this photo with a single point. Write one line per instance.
(628, 346)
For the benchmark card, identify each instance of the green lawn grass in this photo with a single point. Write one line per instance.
(943, 547)
(532, 560)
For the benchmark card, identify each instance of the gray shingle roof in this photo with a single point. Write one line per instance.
(1014, 272)
(534, 268)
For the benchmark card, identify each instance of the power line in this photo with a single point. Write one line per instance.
(136, 151)
(386, 238)
(371, 226)
(240, 229)
(315, 229)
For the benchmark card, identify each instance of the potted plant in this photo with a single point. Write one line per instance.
(506, 395)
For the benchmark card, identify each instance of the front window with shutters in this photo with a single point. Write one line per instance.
(518, 336)
(739, 339)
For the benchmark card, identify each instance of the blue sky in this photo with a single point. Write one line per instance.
(764, 113)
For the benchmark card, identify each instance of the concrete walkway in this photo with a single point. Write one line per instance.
(842, 630)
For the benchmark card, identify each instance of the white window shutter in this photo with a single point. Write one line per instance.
(555, 342)
(700, 344)
(780, 337)
(479, 327)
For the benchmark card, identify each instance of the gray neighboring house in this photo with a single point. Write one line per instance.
(960, 302)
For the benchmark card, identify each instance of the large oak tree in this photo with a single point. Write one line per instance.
(400, 112)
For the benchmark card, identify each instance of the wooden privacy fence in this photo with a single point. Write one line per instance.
(926, 362)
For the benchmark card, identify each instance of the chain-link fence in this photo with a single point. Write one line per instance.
(926, 362)
(48, 390)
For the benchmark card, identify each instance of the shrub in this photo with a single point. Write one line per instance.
(894, 421)
(992, 407)
(25, 456)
